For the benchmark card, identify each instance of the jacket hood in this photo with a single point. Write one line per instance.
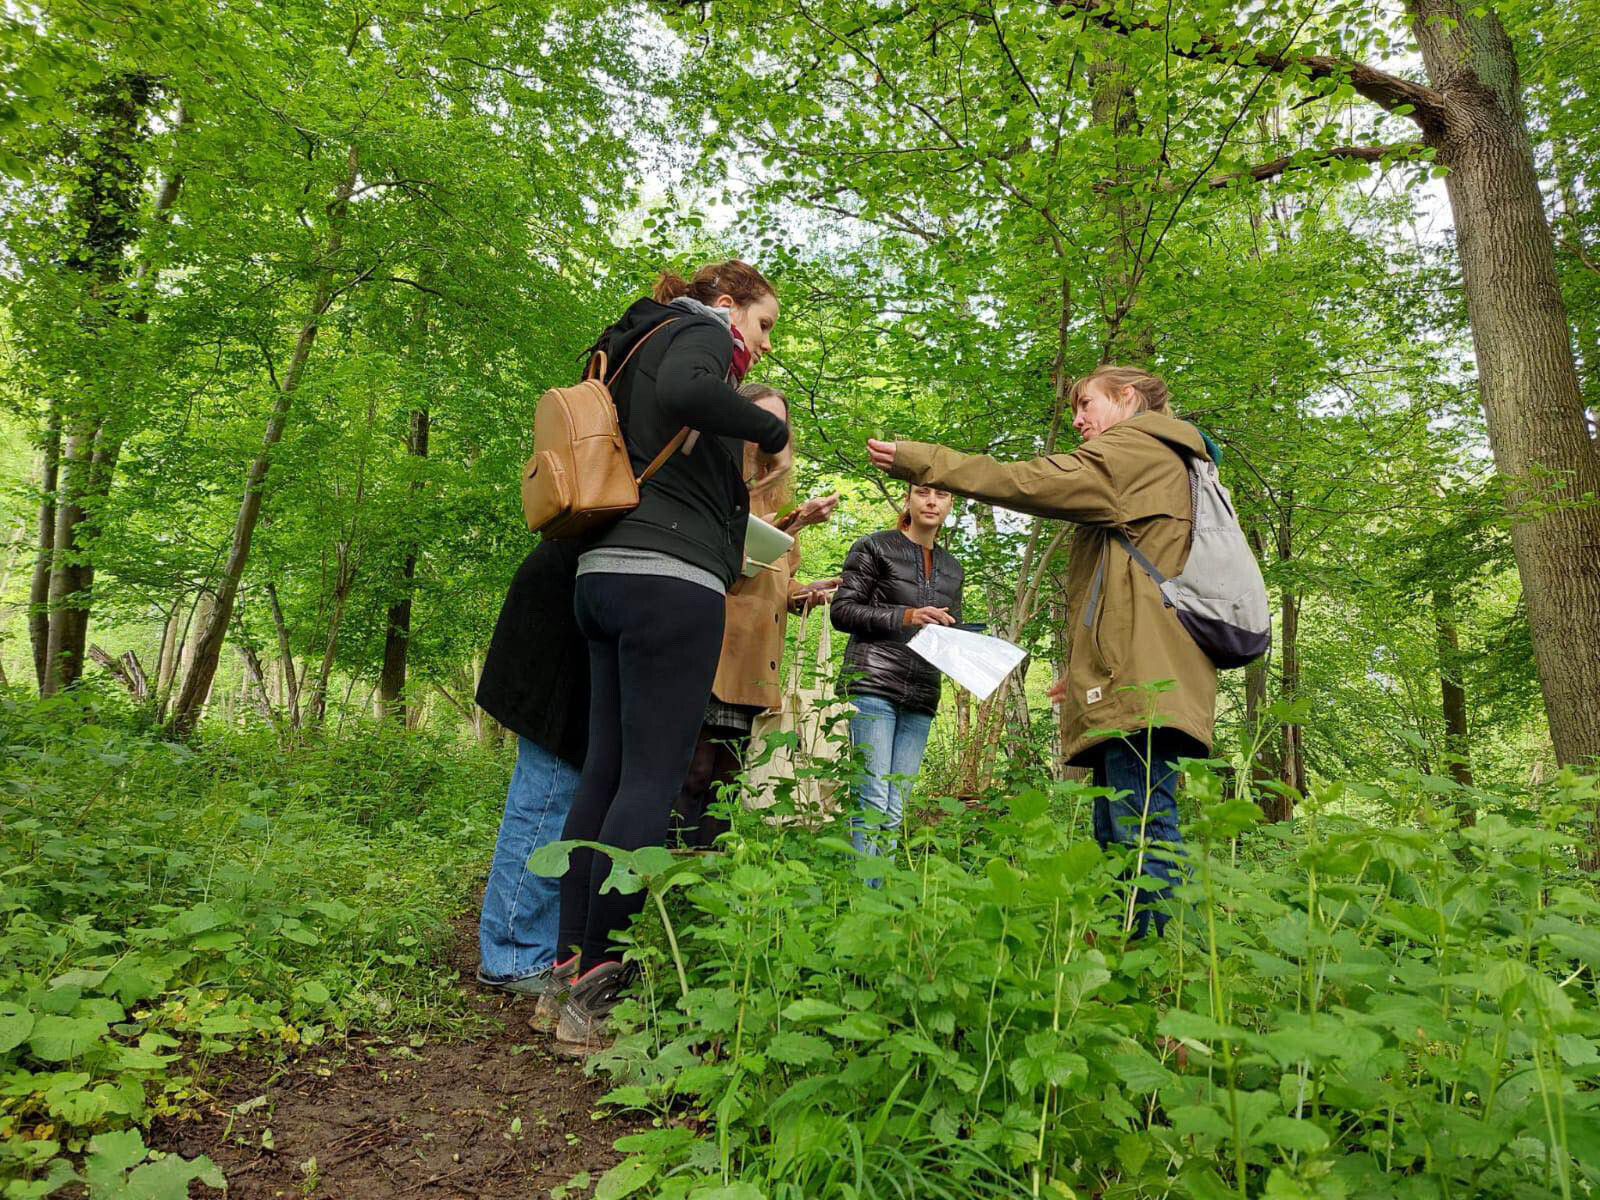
(643, 315)
(1180, 435)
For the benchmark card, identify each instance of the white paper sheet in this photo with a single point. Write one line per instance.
(976, 661)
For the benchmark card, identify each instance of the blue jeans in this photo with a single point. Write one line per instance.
(1143, 770)
(892, 740)
(517, 931)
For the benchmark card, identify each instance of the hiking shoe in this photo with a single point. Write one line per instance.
(583, 1026)
(554, 992)
(534, 985)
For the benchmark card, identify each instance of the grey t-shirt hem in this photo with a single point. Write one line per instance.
(626, 560)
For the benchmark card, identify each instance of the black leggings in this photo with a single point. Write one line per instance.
(654, 643)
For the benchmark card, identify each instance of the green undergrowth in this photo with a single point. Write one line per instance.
(1341, 1008)
(161, 904)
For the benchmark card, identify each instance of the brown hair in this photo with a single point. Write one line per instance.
(732, 278)
(1151, 390)
(781, 492)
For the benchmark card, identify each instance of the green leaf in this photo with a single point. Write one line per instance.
(624, 1179)
(810, 1009)
(551, 860)
(111, 1156)
(314, 992)
(860, 1026)
(1290, 1133)
(798, 1049)
(59, 1039)
(16, 1022)
(169, 1179)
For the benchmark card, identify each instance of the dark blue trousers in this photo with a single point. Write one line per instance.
(1143, 770)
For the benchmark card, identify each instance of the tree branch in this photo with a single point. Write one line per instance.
(1390, 92)
(1297, 162)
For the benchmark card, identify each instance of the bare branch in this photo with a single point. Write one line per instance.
(1297, 162)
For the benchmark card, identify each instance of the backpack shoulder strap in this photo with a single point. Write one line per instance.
(667, 451)
(1137, 555)
(629, 356)
(660, 460)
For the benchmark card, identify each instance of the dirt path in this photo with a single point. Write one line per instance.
(498, 1116)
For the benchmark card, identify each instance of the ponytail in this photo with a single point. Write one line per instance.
(732, 278)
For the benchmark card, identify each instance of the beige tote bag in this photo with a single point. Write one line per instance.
(810, 713)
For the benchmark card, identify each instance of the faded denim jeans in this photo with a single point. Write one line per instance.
(892, 739)
(518, 929)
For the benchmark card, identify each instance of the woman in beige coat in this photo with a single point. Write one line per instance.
(748, 676)
(1132, 665)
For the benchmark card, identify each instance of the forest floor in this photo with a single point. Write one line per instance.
(491, 1115)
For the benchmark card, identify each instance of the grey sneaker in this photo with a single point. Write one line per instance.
(534, 985)
(582, 1027)
(548, 1011)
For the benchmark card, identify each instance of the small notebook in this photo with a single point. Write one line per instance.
(764, 545)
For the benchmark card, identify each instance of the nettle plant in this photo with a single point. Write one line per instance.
(1341, 1008)
(160, 905)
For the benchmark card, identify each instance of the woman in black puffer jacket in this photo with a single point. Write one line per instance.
(893, 584)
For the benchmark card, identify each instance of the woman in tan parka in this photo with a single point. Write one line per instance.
(758, 608)
(1128, 474)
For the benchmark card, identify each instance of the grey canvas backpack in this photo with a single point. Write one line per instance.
(1219, 595)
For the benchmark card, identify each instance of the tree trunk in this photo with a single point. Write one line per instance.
(1453, 693)
(291, 683)
(198, 682)
(397, 635)
(205, 605)
(105, 207)
(39, 594)
(167, 656)
(1256, 680)
(1526, 372)
(70, 574)
(1293, 763)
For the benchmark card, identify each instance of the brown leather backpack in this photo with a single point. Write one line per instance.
(580, 476)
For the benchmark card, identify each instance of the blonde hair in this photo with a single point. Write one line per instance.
(1150, 390)
(781, 493)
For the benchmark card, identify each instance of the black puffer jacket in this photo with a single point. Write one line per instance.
(696, 506)
(884, 575)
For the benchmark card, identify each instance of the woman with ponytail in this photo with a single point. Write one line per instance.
(1131, 666)
(894, 583)
(650, 598)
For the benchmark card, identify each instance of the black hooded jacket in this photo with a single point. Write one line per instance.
(696, 506)
(884, 575)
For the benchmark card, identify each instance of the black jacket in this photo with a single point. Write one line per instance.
(536, 675)
(884, 574)
(696, 506)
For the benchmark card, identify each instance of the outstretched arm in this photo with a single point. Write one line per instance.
(1072, 487)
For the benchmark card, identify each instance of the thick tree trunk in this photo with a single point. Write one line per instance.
(397, 635)
(1526, 372)
(105, 208)
(39, 593)
(197, 683)
(70, 574)
(205, 605)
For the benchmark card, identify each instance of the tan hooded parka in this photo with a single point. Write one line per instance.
(1130, 478)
